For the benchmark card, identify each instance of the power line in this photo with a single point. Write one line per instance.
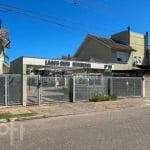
(40, 19)
(107, 8)
(35, 13)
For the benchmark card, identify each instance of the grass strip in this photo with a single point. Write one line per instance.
(9, 115)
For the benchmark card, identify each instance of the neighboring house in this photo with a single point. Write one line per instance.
(4, 43)
(126, 50)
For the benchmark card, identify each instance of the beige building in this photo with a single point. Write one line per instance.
(4, 44)
(126, 50)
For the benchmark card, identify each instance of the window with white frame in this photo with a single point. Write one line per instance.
(122, 57)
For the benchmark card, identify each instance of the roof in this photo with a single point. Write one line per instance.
(112, 44)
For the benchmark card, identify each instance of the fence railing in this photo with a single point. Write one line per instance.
(47, 89)
(29, 90)
(85, 88)
(126, 86)
(10, 89)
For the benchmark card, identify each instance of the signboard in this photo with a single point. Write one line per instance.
(62, 63)
(65, 63)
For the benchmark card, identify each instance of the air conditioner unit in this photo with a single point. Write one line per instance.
(137, 60)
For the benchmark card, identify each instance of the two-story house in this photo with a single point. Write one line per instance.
(4, 44)
(126, 50)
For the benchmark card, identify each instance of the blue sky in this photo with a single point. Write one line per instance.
(52, 28)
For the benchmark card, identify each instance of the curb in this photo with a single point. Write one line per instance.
(21, 119)
(3, 120)
(25, 118)
(34, 117)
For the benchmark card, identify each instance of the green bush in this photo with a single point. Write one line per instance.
(100, 97)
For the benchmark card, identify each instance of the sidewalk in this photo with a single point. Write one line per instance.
(66, 108)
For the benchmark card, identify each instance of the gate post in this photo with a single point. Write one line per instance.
(110, 86)
(24, 89)
(143, 87)
(24, 85)
(6, 91)
(39, 89)
(74, 91)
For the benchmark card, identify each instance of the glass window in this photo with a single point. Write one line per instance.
(122, 57)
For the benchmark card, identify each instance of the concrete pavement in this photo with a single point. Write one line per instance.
(61, 109)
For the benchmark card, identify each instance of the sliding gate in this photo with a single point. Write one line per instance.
(47, 89)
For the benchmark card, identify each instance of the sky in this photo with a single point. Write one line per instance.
(54, 28)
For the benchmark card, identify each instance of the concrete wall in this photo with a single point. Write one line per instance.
(137, 42)
(16, 66)
(124, 66)
(6, 68)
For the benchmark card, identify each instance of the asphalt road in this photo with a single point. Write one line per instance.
(112, 130)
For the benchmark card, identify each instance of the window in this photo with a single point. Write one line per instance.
(122, 57)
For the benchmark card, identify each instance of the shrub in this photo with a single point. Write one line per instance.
(100, 97)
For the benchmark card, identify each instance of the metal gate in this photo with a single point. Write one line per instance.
(54, 89)
(86, 87)
(47, 89)
(10, 93)
(60, 89)
(126, 86)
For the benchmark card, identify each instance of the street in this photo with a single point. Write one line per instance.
(127, 129)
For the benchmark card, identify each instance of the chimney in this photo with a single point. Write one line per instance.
(129, 28)
(129, 35)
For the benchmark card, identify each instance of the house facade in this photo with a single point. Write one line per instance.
(4, 44)
(127, 50)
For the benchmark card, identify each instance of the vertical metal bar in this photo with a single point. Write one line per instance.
(39, 89)
(111, 87)
(65, 82)
(74, 91)
(143, 86)
(87, 89)
(6, 91)
(134, 86)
